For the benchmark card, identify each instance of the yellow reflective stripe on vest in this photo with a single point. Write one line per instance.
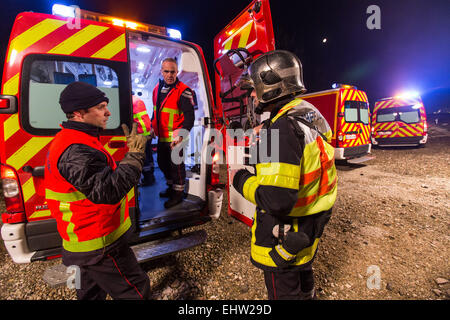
(138, 116)
(249, 189)
(64, 197)
(64, 207)
(98, 243)
(278, 174)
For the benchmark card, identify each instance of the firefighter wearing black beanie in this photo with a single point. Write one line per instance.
(80, 95)
(82, 178)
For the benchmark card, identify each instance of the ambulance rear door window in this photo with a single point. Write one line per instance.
(408, 114)
(47, 78)
(356, 111)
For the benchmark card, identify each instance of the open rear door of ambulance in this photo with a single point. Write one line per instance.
(246, 37)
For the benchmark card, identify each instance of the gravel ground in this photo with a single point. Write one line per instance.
(391, 219)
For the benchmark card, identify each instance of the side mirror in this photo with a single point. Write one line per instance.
(8, 104)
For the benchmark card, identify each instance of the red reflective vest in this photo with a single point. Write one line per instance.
(83, 225)
(140, 116)
(170, 117)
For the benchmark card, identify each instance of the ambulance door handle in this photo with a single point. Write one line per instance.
(117, 144)
(36, 171)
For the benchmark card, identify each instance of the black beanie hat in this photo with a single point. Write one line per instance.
(80, 95)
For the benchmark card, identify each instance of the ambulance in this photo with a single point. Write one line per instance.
(248, 36)
(347, 111)
(399, 121)
(122, 58)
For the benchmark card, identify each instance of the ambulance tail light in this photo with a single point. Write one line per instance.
(340, 138)
(13, 196)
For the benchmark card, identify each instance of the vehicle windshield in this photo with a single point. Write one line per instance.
(356, 111)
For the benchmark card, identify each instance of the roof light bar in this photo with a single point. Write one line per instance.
(174, 33)
(64, 11)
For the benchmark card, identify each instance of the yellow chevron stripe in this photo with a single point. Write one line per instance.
(11, 87)
(40, 214)
(27, 151)
(406, 133)
(78, 39)
(33, 35)
(244, 35)
(28, 189)
(111, 49)
(11, 126)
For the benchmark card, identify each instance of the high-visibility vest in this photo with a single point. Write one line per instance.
(83, 225)
(315, 179)
(170, 117)
(140, 116)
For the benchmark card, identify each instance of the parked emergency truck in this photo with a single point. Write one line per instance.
(347, 111)
(399, 121)
(48, 51)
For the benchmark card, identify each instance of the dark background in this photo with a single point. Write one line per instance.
(410, 52)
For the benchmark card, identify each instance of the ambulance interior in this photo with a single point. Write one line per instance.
(146, 55)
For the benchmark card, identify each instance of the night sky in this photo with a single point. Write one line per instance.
(411, 51)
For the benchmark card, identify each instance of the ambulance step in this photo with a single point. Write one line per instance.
(149, 250)
(360, 160)
(57, 275)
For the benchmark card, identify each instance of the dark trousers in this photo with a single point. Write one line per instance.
(288, 285)
(175, 174)
(148, 161)
(113, 270)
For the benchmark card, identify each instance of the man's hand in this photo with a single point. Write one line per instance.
(135, 142)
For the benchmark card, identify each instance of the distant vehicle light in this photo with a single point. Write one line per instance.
(64, 11)
(344, 86)
(107, 83)
(141, 65)
(174, 33)
(408, 95)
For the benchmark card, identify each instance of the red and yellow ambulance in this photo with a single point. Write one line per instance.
(399, 121)
(347, 111)
(122, 58)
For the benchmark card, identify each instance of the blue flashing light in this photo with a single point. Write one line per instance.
(64, 11)
(174, 33)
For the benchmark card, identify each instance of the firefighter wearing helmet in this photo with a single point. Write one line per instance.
(294, 193)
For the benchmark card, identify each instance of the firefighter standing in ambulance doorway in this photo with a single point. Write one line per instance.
(173, 110)
(294, 195)
(86, 192)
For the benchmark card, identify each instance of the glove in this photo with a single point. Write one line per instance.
(135, 142)
(284, 254)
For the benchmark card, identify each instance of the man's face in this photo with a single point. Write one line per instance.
(97, 115)
(169, 72)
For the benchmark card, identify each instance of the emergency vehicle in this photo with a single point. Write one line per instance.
(399, 121)
(249, 35)
(48, 51)
(347, 111)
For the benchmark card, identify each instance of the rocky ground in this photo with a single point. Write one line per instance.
(388, 239)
